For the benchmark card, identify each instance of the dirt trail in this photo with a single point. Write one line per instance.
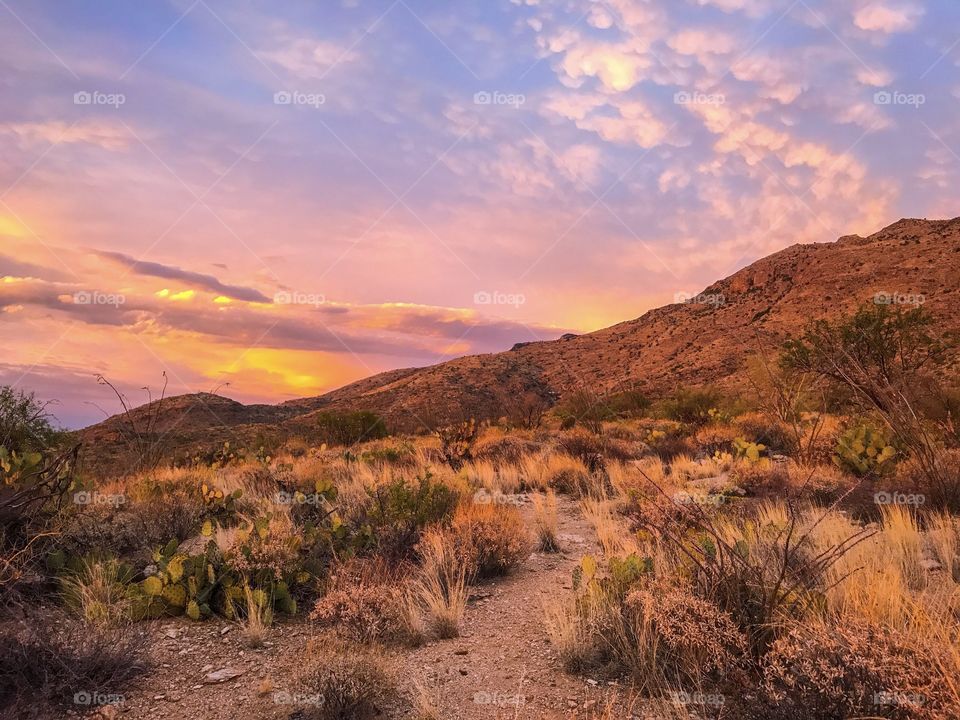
(503, 665)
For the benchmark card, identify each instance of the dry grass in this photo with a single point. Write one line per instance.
(98, 592)
(442, 588)
(349, 683)
(491, 538)
(545, 521)
(612, 531)
(256, 619)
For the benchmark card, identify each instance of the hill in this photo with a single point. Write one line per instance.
(706, 340)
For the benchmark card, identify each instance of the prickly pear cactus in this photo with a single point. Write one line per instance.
(864, 450)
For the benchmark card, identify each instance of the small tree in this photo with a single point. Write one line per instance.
(885, 357)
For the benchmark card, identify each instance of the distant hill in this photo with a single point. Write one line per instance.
(706, 341)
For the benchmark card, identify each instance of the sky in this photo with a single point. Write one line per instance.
(270, 200)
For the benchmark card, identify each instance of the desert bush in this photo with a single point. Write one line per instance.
(347, 683)
(349, 428)
(760, 478)
(49, 662)
(679, 640)
(364, 612)
(457, 441)
(25, 425)
(852, 669)
(491, 538)
(569, 476)
(761, 570)
(692, 406)
(771, 432)
(400, 510)
(716, 437)
(822, 483)
(504, 449)
(940, 489)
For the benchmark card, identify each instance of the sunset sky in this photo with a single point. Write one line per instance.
(288, 196)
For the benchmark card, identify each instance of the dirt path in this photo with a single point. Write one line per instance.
(503, 665)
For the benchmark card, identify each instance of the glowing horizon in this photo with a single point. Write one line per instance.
(287, 200)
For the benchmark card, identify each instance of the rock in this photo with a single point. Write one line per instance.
(225, 629)
(108, 712)
(222, 675)
(172, 633)
(460, 652)
(206, 668)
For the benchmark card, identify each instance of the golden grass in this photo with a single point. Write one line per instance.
(611, 529)
(98, 593)
(443, 585)
(545, 521)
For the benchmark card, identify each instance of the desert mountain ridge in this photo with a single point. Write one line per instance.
(704, 341)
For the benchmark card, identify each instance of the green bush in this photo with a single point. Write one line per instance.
(400, 510)
(349, 428)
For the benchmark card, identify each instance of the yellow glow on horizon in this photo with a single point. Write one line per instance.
(184, 295)
(222, 300)
(162, 293)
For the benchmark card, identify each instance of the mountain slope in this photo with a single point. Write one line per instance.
(682, 344)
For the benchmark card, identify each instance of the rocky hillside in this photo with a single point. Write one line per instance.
(706, 340)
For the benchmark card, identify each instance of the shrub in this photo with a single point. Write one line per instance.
(692, 406)
(504, 449)
(348, 683)
(773, 433)
(400, 510)
(364, 612)
(852, 669)
(24, 423)
(716, 437)
(349, 428)
(491, 538)
(569, 476)
(681, 640)
(45, 660)
(457, 441)
(940, 489)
